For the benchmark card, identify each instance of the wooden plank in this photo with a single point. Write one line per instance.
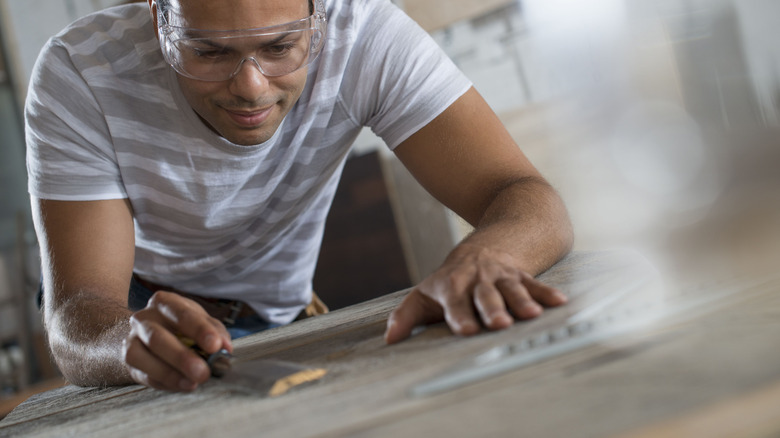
(348, 343)
(628, 382)
(432, 15)
(611, 388)
(751, 415)
(427, 228)
(62, 400)
(7, 404)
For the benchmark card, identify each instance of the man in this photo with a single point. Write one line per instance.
(191, 154)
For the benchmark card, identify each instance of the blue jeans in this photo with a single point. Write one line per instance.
(139, 295)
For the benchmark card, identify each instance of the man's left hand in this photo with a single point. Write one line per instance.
(475, 287)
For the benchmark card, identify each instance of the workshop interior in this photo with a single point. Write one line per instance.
(658, 122)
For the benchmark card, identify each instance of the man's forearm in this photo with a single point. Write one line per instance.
(528, 220)
(85, 336)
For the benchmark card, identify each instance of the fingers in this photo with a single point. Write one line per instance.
(491, 306)
(522, 294)
(542, 293)
(168, 348)
(459, 314)
(147, 369)
(154, 352)
(186, 318)
(416, 309)
(519, 300)
(474, 289)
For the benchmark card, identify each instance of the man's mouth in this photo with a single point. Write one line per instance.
(249, 118)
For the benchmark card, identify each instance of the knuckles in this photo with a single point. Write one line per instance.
(139, 376)
(160, 297)
(463, 278)
(163, 302)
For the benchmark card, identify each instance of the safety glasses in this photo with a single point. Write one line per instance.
(216, 55)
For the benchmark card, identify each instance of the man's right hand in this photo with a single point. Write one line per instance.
(153, 351)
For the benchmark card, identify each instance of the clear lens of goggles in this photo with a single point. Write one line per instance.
(209, 55)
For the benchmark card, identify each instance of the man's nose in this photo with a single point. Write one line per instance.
(249, 82)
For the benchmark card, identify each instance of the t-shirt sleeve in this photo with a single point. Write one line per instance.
(401, 78)
(70, 154)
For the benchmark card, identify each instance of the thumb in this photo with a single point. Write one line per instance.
(416, 309)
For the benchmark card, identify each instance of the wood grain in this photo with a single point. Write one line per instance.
(750, 415)
(685, 362)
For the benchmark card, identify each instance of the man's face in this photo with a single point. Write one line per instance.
(247, 108)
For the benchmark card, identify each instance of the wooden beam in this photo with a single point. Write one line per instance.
(435, 14)
(7, 404)
(753, 414)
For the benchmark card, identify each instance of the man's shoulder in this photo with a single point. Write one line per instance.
(355, 10)
(114, 42)
(124, 25)
(110, 21)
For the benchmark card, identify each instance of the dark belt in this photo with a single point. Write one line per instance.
(227, 311)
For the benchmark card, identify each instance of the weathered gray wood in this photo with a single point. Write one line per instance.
(64, 399)
(613, 388)
(689, 360)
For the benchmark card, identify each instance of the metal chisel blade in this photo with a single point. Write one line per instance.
(266, 377)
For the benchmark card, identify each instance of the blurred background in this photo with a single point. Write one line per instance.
(658, 121)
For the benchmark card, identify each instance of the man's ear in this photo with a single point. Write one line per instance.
(153, 11)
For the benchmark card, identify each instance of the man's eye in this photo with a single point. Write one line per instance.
(280, 49)
(209, 53)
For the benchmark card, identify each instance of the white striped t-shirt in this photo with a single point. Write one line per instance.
(106, 119)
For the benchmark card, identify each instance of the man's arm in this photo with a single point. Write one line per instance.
(468, 161)
(87, 252)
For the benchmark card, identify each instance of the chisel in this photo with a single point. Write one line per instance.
(264, 377)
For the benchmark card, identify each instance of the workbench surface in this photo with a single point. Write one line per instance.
(626, 357)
